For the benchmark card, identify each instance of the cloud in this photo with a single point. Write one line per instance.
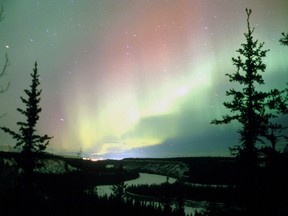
(213, 142)
(158, 126)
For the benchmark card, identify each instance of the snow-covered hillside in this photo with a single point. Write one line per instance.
(174, 169)
(49, 166)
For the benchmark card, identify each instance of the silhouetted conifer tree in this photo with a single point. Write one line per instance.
(248, 105)
(28, 141)
(253, 109)
(119, 190)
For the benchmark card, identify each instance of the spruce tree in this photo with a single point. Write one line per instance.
(248, 106)
(251, 109)
(257, 113)
(27, 141)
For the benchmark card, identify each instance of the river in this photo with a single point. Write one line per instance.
(149, 179)
(144, 178)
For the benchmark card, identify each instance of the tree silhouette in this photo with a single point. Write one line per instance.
(256, 111)
(118, 190)
(29, 143)
(248, 105)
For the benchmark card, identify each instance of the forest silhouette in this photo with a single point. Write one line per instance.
(253, 181)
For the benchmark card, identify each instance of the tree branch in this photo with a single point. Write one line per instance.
(3, 72)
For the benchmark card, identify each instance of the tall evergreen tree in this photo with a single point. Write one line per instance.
(256, 111)
(28, 141)
(248, 105)
(249, 108)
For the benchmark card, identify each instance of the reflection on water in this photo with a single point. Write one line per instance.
(146, 178)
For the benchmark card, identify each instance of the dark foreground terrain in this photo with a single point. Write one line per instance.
(67, 186)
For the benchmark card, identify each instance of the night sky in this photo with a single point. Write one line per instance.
(134, 78)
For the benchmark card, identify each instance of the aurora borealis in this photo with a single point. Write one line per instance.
(134, 78)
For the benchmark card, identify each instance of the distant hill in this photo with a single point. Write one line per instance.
(207, 170)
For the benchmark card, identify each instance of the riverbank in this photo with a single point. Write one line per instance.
(190, 207)
(63, 180)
